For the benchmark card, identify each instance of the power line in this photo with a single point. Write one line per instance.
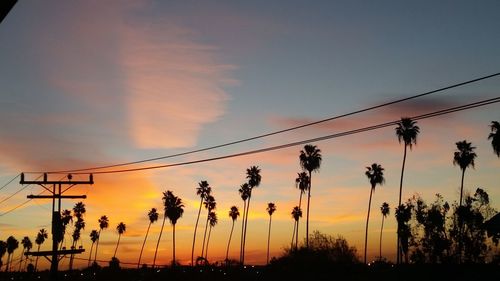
(19, 206)
(279, 131)
(322, 138)
(15, 193)
(3, 186)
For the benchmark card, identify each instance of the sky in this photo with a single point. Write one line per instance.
(87, 83)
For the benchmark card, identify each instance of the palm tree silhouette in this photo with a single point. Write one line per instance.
(212, 222)
(302, 183)
(94, 236)
(385, 212)
(244, 193)
(3, 250)
(40, 238)
(103, 224)
(234, 213)
(464, 157)
(375, 174)
(120, 228)
(153, 216)
(271, 208)
(203, 190)
(173, 210)
(310, 160)
(495, 137)
(66, 218)
(210, 205)
(12, 245)
(78, 211)
(296, 214)
(406, 131)
(27, 245)
(254, 178)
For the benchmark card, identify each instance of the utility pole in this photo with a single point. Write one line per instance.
(56, 195)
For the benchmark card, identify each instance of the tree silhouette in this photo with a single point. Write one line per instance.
(384, 209)
(120, 228)
(66, 219)
(234, 213)
(210, 205)
(94, 236)
(78, 212)
(495, 137)
(203, 190)
(244, 193)
(302, 183)
(27, 245)
(407, 132)
(254, 178)
(375, 175)
(12, 245)
(40, 238)
(310, 160)
(296, 214)
(3, 250)
(173, 210)
(103, 224)
(403, 216)
(464, 157)
(212, 218)
(152, 216)
(271, 208)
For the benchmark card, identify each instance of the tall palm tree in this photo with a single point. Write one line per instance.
(153, 216)
(464, 157)
(120, 228)
(94, 236)
(254, 178)
(271, 208)
(234, 213)
(66, 219)
(210, 205)
(213, 222)
(310, 160)
(12, 245)
(27, 245)
(495, 137)
(302, 183)
(244, 193)
(203, 190)
(78, 212)
(296, 214)
(407, 132)
(385, 212)
(103, 224)
(40, 238)
(173, 210)
(3, 250)
(375, 175)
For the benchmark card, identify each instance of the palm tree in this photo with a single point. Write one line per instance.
(40, 238)
(375, 174)
(27, 245)
(66, 218)
(495, 137)
(103, 224)
(302, 183)
(153, 216)
(212, 221)
(120, 228)
(254, 178)
(78, 211)
(296, 214)
(271, 208)
(203, 190)
(173, 210)
(244, 193)
(406, 131)
(234, 213)
(12, 245)
(310, 160)
(210, 205)
(464, 157)
(94, 236)
(3, 250)
(385, 212)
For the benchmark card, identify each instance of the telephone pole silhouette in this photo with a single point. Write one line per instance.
(56, 190)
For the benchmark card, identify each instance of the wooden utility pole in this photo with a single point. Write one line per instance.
(57, 192)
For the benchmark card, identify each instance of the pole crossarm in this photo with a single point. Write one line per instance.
(31, 196)
(50, 253)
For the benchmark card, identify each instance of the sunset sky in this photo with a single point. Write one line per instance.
(90, 83)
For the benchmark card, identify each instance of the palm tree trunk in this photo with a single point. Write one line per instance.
(204, 238)
(21, 260)
(173, 242)
(398, 259)
(90, 254)
(229, 242)
(117, 243)
(367, 220)
(308, 201)
(242, 230)
(208, 241)
(194, 236)
(143, 244)
(293, 234)
(246, 225)
(381, 230)
(159, 238)
(97, 246)
(461, 225)
(462, 186)
(7, 264)
(268, 239)
(36, 259)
